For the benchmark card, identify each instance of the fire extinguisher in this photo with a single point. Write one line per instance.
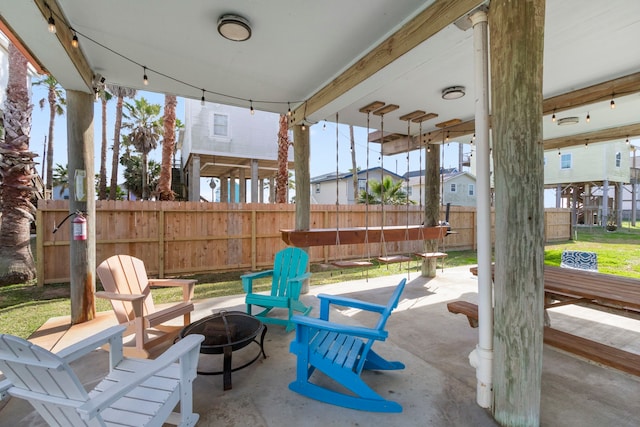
(79, 227)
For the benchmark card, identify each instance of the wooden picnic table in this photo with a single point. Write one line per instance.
(607, 292)
(616, 294)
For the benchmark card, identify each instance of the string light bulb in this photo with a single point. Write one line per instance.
(74, 40)
(627, 141)
(289, 110)
(52, 23)
(553, 117)
(588, 118)
(145, 79)
(612, 104)
(304, 127)
(324, 125)
(251, 108)
(586, 143)
(202, 101)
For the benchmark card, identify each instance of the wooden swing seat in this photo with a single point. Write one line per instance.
(393, 259)
(358, 235)
(352, 264)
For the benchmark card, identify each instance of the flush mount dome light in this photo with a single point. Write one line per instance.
(234, 27)
(453, 92)
(568, 121)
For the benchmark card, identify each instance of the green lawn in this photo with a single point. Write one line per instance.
(24, 308)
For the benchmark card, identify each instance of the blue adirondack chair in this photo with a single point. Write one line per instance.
(341, 352)
(288, 275)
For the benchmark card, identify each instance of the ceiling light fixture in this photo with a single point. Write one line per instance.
(453, 92)
(568, 121)
(234, 27)
(74, 40)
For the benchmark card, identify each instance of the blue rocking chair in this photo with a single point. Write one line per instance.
(341, 352)
(288, 275)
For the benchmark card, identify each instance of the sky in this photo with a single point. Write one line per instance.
(323, 142)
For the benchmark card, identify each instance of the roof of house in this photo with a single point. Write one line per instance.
(345, 175)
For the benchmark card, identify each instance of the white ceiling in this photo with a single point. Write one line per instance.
(298, 47)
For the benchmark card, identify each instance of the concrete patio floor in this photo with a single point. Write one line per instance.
(437, 388)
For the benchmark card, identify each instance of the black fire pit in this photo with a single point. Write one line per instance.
(224, 333)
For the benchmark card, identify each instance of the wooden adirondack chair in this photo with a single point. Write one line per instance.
(134, 392)
(288, 275)
(127, 286)
(341, 352)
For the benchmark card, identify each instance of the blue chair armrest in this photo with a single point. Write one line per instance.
(327, 300)
(360, 331)
(247, 279)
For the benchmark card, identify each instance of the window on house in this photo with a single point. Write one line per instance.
(618, 159)
(565, 161)
(362, 185)
(317, 188)
(472, 189)
(409, 191)
(220, 125)
(452, 188)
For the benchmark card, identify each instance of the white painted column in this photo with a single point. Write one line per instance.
(194, 178)
(482, 357)
(559, 196)
(255, 182)
(605, 204)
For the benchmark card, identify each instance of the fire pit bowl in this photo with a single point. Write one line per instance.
(224, 333)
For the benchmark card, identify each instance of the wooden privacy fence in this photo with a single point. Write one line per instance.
(177, 238)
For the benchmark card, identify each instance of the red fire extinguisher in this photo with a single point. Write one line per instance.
(79, 227)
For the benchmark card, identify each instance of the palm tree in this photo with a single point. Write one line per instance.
(17, 170)
(61, 177)
(120, 93)
(168, 146)
(133, 174)
(146, 128)
(105, 97)
(387, 192)
(283, 157)
(56, 101)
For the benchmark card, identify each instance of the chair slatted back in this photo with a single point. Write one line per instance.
(290, 262)
(45, 380)
(382, 321)
(126, 275)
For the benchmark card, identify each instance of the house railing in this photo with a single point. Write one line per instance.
(179, 238)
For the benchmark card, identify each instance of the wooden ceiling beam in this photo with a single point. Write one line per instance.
(601, 135)
(422, 27)
(65, 36)
(622, 86)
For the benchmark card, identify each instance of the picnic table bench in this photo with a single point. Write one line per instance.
(615, 294)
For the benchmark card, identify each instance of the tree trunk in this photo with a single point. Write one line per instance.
(102, 185)
(16, 170)
(52, 121)
(517, 39)
(283, 156)
(354, 166)
(113, 190)
(431, 204)
(168, 144)
(145, 176)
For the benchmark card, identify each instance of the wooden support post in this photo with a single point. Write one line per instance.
(301, 154)
(82, 253)
(517, 42)
(432, 205)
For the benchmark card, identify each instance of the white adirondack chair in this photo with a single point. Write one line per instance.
(127, 286)
(136, 392)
